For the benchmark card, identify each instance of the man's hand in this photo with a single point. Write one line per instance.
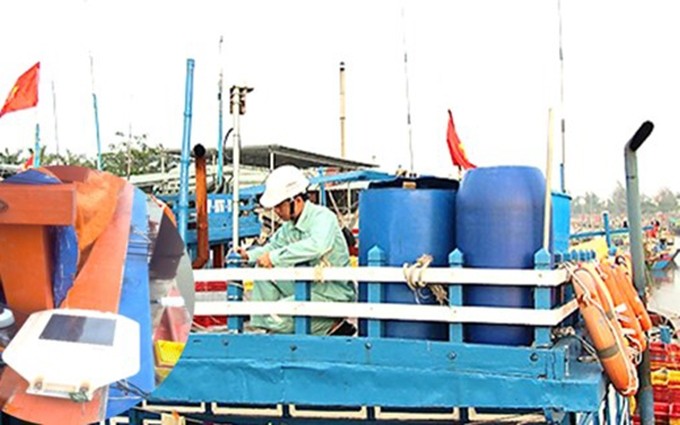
(265, 261)
(243, 253)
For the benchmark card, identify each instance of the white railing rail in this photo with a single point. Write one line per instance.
(438, 275)
(383, 311)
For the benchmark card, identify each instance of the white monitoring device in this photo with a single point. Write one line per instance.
(70, 353)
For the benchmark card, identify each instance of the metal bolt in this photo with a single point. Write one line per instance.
(452, 356)
(368, 345)
(225, 342)
(293, 347)
(533, 357)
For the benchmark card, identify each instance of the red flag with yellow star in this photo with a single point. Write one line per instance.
(456, 147)
(24, 94)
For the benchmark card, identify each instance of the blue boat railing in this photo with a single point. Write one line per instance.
(220, 206)
(269, 370)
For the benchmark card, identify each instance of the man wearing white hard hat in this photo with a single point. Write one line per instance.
(309, 236)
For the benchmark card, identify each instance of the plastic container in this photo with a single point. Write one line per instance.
(406, 219)
(499, 224)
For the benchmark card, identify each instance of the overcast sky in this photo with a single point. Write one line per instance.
(495, 64)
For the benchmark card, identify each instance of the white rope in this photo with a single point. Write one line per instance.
(414, 279)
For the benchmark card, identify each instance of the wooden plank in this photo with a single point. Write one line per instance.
(26, 267)
(99, 282)
(53, 204)
(441, 275)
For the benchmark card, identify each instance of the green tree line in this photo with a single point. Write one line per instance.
(664, 201)
(132, 157)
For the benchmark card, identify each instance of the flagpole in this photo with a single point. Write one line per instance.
(54, 114)
(408, 99)
(96, 115)
(220, 128)
(562, 122)
(36, 150)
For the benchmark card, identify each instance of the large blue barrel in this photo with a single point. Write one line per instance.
(499, 224)
(405, 224)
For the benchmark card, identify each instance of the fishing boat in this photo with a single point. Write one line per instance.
(522, 325)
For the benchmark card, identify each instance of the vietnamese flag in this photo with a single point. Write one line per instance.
(24, 94)
(456, 147)
(28, 163)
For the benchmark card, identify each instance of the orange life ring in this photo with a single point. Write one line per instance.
(605, 332)
(627, 317)
(623, 273)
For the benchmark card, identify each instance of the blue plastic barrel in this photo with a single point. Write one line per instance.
(405, 224)
(499, 224)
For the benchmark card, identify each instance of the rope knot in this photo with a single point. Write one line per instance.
(414, 279)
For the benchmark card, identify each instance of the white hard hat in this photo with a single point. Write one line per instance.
(283, 183)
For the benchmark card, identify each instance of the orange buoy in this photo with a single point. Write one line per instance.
(605, 332)
(624, 274)
(627, 317)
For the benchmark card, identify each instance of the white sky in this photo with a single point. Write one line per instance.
(493, 63)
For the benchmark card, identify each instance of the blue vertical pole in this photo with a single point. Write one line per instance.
(183, 216)
(220, 129)
(96, 129)
(607, 230)
(234, 293)
(322, 189)
(36, 150)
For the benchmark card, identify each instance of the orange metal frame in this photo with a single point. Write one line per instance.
(25, 269)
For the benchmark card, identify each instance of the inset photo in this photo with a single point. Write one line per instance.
(97, 295)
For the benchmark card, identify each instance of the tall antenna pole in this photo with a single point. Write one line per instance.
(54, 114)
(220, 129)
(96, 115)
(408, 99)
(562, 121)
(237, 107)
(342, 109)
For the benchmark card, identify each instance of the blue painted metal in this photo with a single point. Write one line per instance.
(219, 217)
(666, 262)
(607, 230)
(407, 223)
(183, 208)
(456, 296)
(96, 129)
(36, 148)
(220, 205)
(544, 299)
(499, 224)
(322, 189)
(561, 221)
(376, 258)
(332, 371)
(134, 303)
(302, 293)
(595, 233)
(234, 293)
